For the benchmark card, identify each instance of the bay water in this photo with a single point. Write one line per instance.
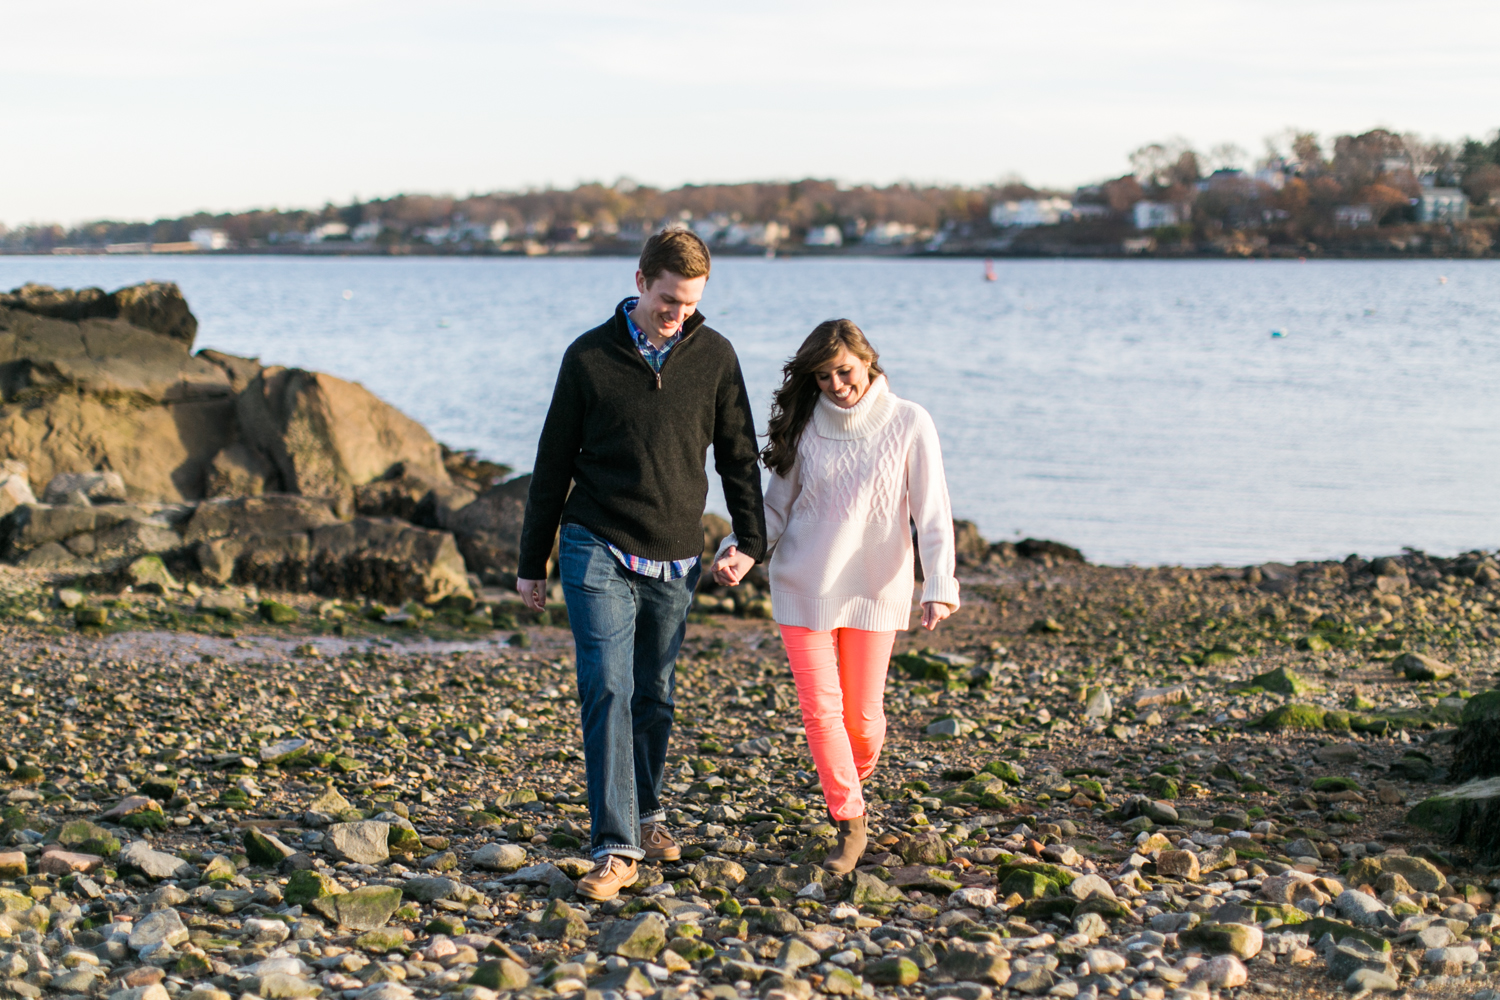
(1186, 412)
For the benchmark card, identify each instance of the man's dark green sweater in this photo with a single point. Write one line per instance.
(633, 443)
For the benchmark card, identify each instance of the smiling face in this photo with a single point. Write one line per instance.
(666, 303)
(845, 379)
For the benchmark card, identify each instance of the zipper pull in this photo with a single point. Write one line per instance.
(658, 381)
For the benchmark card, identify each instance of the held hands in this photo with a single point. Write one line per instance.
(730, 568)
(934, 612)
(533, 593)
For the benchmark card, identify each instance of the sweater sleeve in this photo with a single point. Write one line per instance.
(735, 459)
(780, 496)
(552, 474)
(927, 493)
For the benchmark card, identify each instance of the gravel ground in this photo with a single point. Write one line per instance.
(1094, 786)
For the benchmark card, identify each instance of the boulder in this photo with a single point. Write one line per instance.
(1417, 667)
(1469, 815)
(1476, 749)
(488, 529)
(326, 436)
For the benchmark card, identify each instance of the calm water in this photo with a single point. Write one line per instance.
(1139, 410)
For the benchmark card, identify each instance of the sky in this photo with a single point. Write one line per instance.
(160, 108)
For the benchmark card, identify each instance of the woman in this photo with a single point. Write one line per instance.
(852, 467)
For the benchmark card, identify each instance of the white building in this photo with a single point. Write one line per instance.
(890, 233)
(755, 234)
(209, 239)
(329, 230)
(1030, 212)
(1353, 216)
(1154, 214)
(1441, 204)
(366, 231)
(824, 236)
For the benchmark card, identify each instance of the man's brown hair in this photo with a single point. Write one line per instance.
(677, 250)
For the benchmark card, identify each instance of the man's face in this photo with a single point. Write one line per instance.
(666, 302)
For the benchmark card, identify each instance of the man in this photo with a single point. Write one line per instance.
(638, 401)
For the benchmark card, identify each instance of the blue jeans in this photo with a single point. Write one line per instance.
(627, 629)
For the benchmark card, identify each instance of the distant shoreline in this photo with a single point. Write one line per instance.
(801, 253)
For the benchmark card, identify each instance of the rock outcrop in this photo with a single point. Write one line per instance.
(241, 472)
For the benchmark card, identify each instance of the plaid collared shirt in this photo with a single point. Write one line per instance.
(673, 569)
(653, 356)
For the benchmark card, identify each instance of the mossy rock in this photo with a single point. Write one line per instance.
(277, 613)
(1469, 815)
(1004, 770)
(1284, 681)
(27, 774)
(145, 819)
(402, 841)
(1027, 885)
(305, 886)
(1335, 783)
(1293, 716)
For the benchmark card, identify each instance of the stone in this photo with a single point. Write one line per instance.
(149, 574)
(499, 857)
(1088, 886)
(153, 991)
(284, 751)
(897, 970)
(720, 872)
(55, 862)
(502, 974)
(796, 954)
(1242, 940)
(1362, 909)
(1097, 705)
(643, 937)
(363, 842)
(866, 890)
(1350, 954)
(154, 864)
(156, 928)
(1221, 972)
(305, 886)
(967, 962)
(1178, 864)
(264, 849)
(1284, 681)
(561, 922)
(363, 909)
(841, 983)
(1372, 981)
(924, 847)
(1032, 978)
(1452, 960)
(12, 864)
(1418, 667)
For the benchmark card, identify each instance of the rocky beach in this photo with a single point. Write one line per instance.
(278, 727)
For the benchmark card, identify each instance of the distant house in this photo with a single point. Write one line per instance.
(366, 231)
(480, 232)
(1029, 212)
(1089, 211)
(1353, 216)
(824, 236)
(1154, 214)
(209, 239)
(1443, 204)
(755, 234)
(890, 233)
(330, 231)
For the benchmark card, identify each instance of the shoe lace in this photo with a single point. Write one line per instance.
(610, 860)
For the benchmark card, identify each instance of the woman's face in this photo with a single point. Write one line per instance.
(844, 380)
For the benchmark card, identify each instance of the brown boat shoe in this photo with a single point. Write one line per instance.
(658, 843)
(611, 874)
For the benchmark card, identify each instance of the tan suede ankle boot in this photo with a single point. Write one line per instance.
(850, 847)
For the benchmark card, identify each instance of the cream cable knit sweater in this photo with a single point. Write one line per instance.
(838, 525)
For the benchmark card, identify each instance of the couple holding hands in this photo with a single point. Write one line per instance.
(621, 466)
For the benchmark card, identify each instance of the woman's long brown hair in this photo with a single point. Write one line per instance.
(792, 407)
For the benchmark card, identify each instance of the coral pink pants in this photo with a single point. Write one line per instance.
(840, 679)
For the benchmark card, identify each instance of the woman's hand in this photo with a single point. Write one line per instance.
(934, 612)
(731, 567)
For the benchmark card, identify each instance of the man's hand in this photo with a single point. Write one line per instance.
(533, 593)
(934, 612)
(731, 567)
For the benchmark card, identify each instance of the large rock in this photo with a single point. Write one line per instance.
(326, 436)
(1469, 815)
(488, 529)
(364, 909)
(1476, 749)
(90, 381)
(154, 864)
(364, 842)
(298, 543)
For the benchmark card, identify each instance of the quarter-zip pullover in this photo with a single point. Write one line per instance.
(633, 442)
